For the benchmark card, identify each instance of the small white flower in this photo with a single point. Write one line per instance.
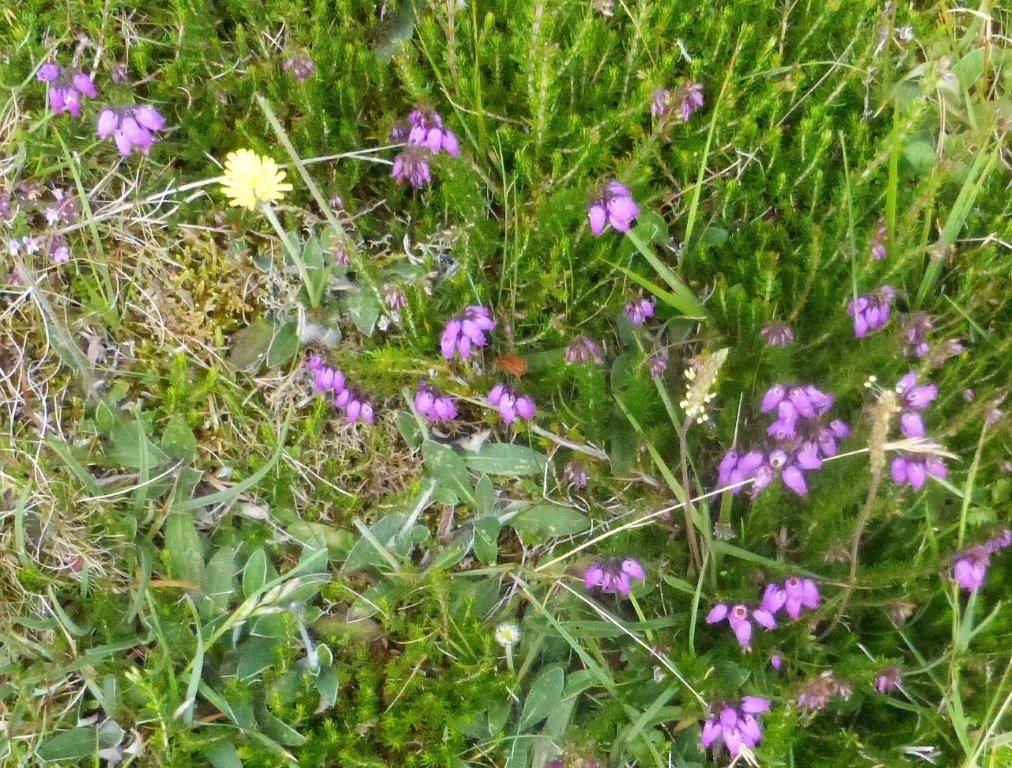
(507, 634)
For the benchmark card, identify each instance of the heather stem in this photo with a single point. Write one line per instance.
(862, 521)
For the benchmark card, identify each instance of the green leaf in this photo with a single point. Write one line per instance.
(506, 459)
(543, 697)
(284, 345)
(218, 576)
(183, 548)
(447, 468)
(250, 345)
(550, 520)
(364, 310)
(409, 428)
(277, 729)
(131, 447)
(255, 575)
(254, 655)
(920, 154)
(78, 743)
(222, 754)
(969, 69)
(178, 440)
(327, 685)
(486, 539)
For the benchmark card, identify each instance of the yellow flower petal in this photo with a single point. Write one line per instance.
(250, 179)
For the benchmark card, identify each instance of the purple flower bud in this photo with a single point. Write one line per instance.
(639, 311)
(465, 331)
(888, 679)
(48, 72)
(615, 208)
(870, 311)
(614, 576)
(584, 349)
(84, 84)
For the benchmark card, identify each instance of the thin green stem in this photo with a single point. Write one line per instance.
(311, 291)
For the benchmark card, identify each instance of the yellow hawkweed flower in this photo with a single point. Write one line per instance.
(251, 178)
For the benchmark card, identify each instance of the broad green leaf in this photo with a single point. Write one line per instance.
(255, 575)
(183, 548)
(550, 520)
(364, 310)
(506, 459)
(218, 578)
(250, 345)
(486, 539)
(255, 655)
(544, 696)
(447, 468)
(222, 754)
(178, 440)
(284, 345)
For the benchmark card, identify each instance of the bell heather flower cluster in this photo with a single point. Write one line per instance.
(909, 467)
(639, 311)
(802, 434)
(132, 128)
(870, 311)
(434, 405)
(425, 136)
(878, 243)
(299, 66)
(575, 474)
(817, 692)
(736, 725)
(466, 331)
(777, 334)
(511, 405)
(584, 349)
(793, 597)
(65, 90)
(615, 208)
(688, 99)
(970, 566)
(888, 679)
(614, 576)
(330, 381)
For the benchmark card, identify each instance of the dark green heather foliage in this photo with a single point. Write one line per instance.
(203, 563)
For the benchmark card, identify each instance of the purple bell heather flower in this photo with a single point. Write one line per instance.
(575, 474)
(639, 311)
(355, 406)
(816, 692)
(790, 468)
(888, 679)
(915, 331)
(48, 72)
(692, 99)
(412, 166)
(425, 129)
(614, 576)
(734, 726)
(326, 380)
(878, 243)
(510, 405)
(615, 208)
(658, 362)
(59, 249)
(300, 66)
(777, 334)
(870, 311)
(66, 90)
(134, 129)
(84, 85)
(466, 331)
(970, 566)
(434, 405)
(737, 617)
(776, 661)
(661, 104)
(914, 469)
(735, 468)
(584, 349)
(800, 593)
